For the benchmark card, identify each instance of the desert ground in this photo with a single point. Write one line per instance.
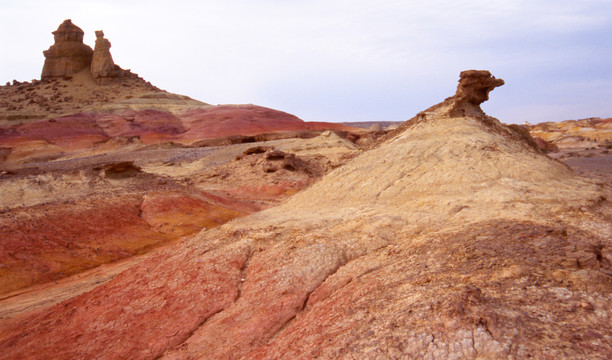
(140, 224)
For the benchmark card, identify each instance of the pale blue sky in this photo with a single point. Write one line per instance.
(340, 60)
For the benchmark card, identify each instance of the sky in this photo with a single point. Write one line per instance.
(341, 60)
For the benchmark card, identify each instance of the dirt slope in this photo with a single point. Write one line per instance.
(63, 217)
(93, 171)
(453, 238)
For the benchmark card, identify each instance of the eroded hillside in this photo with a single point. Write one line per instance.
(453, 237)
(97, 165)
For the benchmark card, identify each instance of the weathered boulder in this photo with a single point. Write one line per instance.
(68, 55)
(120, 169)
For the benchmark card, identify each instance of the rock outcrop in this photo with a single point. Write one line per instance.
(473, 89)
(68, 55)
(545, 146)
(103, 68)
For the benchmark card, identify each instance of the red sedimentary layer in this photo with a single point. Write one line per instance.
(48, 242)
(229, 120)
(85, 130)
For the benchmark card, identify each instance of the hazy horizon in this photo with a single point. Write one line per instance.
(339, 60)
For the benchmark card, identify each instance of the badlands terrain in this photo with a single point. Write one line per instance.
(139, 224)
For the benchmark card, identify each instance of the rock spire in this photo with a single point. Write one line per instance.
(103, 68)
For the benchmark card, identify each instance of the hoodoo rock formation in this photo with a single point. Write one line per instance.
(454, 237)
(68, 55)
(474, 88)
(103, 68)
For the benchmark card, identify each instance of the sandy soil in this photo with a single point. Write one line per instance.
(12, 305)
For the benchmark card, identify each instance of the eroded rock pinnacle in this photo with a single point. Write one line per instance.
(473, 89)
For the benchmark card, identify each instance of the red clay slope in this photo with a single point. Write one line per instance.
(229, 120)
(51, 241)
(85, 130)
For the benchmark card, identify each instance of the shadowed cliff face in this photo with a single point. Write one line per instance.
(453, 237)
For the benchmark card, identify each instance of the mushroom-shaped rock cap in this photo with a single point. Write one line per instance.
(67, 31)
(473, 89)
(475, 85)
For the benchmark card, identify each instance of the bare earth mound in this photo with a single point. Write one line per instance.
(452, 238)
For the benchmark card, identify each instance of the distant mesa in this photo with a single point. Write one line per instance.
(69, 55)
